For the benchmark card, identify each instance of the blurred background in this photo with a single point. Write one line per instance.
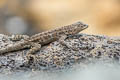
(33, 16)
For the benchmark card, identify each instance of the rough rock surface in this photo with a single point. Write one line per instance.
(82, 49)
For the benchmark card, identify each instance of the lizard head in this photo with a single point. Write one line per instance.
(77, 27)
(72, 28)
(80, 26)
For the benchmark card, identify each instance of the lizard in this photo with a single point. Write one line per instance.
(34, 42)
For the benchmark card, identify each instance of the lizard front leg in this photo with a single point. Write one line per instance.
(62, 41)
(35, 47)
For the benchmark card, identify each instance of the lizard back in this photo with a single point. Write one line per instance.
(52, 35)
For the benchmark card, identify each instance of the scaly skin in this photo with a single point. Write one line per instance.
(34, 42)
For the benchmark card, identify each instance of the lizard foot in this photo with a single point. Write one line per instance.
(30, 58)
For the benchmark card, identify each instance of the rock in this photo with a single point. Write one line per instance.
(80, 49)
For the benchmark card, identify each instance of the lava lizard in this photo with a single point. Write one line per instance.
(34, 42)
